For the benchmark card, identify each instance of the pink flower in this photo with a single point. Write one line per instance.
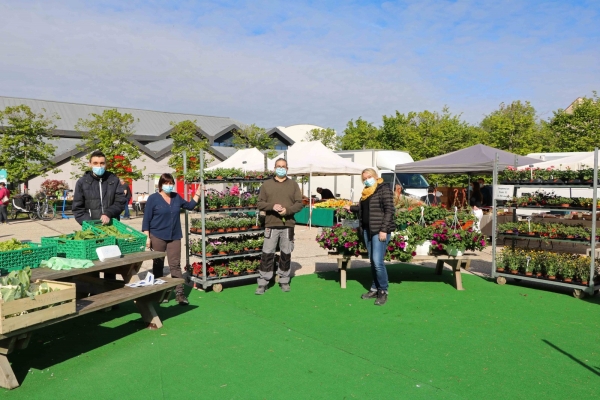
(434, 243)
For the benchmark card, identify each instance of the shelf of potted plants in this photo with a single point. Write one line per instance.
(229, 238)
(559, 268)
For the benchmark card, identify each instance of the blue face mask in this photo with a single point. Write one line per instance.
(369, 182)
(280, 172)
(98, 171)
(168, 189)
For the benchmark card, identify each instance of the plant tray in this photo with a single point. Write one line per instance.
(127, 246)
(62, 303)
(78, 249)
(15, 260)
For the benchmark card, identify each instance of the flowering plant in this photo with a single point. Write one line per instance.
(398, 249)
(341, 239)
(52, 186)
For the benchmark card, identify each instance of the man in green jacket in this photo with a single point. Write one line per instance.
(279, 198)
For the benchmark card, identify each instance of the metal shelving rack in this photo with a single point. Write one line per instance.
(204, 280)
(579, 290)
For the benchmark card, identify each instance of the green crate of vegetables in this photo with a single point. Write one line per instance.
(15, 256)
(128, 239)
(80, 245)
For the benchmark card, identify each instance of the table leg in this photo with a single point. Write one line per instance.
(345, 265)
(128, 271)
(457, 276)
(8, 380)
(439, 266)
(466, 263)
(149, 315)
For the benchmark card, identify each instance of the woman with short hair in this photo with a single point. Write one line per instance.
(162, 224)
(376, 223)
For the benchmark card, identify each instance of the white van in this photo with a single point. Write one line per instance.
(384, 161)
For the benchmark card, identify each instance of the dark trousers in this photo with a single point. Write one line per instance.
(173, 249)
(3, 214)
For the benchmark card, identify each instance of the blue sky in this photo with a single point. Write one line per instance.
(321, 62)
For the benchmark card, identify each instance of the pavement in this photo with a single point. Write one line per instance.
(307, 258)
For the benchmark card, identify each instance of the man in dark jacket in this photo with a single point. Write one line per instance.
(128, 196)
(98, 193)
(279, 198)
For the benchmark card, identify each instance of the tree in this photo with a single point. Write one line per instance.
(427, 134)
(359, 135)
(25, 144)
(110, 132)
(514, 128)
(577, 129)
(254, 136)
(326, 136)
(185, 138)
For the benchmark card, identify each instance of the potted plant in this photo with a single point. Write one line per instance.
(222, 270)
(211, 250)
(236, 266)
(211, 272)
(213, 201)
(551, 266)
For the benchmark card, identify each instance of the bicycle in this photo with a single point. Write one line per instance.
(39, 208)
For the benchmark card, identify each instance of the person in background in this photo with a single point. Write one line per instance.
(376, 223)
(162, 224)
(279, 198)
(476, 200)
(431, 198)
(4, 200)
(325, 193)
(98, 193)
(128, 196)
(486, 192)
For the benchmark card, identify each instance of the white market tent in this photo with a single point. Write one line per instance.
(247, 159)
(575, 162)
(313, 158)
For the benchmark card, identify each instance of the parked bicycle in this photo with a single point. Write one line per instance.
(39, 208)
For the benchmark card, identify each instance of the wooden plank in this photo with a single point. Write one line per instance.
(34, 318)
(8, 380)
(118, 296)
(7, 345)
(99, 266)
(149, 314)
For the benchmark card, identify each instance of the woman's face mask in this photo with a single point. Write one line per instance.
(167, 188)
(369, 182)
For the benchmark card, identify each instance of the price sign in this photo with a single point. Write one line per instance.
(504, 192)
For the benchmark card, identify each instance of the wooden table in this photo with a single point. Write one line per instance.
(93, 294)
(455, 262)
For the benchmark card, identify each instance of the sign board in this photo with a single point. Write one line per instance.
(504, 192)
(3, 176)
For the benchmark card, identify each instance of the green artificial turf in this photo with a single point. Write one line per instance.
(319, 341)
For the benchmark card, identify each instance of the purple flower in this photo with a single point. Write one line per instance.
(347, 245)
(402, 245)
(335, 240)
(440, 247)
(344, 234)
(434, 243)
(483, 242)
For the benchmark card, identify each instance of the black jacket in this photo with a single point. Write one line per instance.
(381, 210)
(86, 199)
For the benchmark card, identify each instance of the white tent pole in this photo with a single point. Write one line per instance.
(310, 204)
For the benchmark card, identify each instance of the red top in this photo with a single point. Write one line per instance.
(4, 192)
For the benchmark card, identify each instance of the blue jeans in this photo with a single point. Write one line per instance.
(377, 251)
(126, 215)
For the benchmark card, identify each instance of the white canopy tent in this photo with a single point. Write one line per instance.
(313, 158)
(247, 159)
(578, 161)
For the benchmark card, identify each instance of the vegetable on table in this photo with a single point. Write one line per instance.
(13, 244)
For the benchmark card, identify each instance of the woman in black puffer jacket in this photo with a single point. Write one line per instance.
(376, 223)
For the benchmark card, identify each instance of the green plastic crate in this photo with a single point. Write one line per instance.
(78, 249)
(127, 246)
(31, 257)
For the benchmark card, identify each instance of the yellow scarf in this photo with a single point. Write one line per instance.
(368, 191)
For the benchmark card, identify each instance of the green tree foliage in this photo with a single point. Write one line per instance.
(577, 129)
(110, 132)
(514, 128)
(359, 134)
(254, 136)
(326, 136)
(427, 134)
(186, 138)
(25, 143)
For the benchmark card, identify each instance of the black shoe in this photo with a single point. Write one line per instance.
(381, 298)
(371, 294)
(181, 299)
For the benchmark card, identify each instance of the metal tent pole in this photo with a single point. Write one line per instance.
(310, 204)
(494, 213)
(187, 226)
(593, 235)
(203, 219)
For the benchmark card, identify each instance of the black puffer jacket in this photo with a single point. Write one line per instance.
(90, 204)
(381, 210)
